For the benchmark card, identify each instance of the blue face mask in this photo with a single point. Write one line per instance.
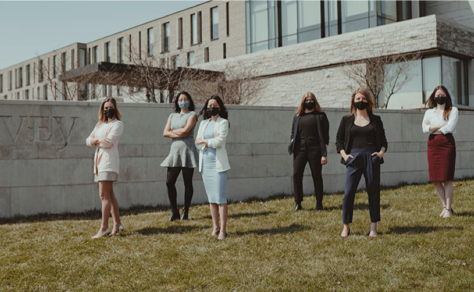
(183, 104)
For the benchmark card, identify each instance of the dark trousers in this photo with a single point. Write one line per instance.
(172, 176)
(369, 166)
(307, 151)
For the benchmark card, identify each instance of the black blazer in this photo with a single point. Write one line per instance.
(343, 136)
(323, 131)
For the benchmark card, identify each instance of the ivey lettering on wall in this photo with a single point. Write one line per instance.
(34, 129)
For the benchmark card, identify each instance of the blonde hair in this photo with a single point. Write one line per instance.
(301, 108)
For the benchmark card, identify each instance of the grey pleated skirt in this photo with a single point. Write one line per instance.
(106, 176)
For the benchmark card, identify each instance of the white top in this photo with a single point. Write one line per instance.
(107, 156)
(437, 119)
(221, 128)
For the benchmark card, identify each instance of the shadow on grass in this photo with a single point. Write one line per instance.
(87, 215)
(240, 215)
(419, 229)
(356, 207)
(464, 214)
(168, 230)
(278, 230)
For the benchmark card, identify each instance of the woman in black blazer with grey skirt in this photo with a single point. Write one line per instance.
(362, 143)
(309, 140)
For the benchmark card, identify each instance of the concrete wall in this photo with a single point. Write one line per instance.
(46, 167)
(461, 12)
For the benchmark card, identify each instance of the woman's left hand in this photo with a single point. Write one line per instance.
(200, 141)
(379, 154)
(324, 160)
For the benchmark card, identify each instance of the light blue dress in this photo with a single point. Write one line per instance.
(214, 182)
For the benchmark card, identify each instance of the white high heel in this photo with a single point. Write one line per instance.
(101, 235)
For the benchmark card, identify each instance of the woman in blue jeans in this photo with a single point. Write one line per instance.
(362, 143)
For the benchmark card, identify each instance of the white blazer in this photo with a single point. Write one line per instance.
(106, 156)
(218, 142)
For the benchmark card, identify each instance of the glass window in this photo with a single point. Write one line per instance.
(261, 19)
(1, 83)
(45, 92)
(454, 79)
(121, 50)
(27, 94)
(63, 62)
(309, 21)
(289, 25)
(95, 54)
(386, 12)
(194, 32)
(20, 77)
(355, 15)
(40, 68)
(214, 23)
(166, 37)
(330, 17)
(431, 75)
(10, 81)
(28, 75)
(55, 66)
(176, 61)
(190, 58)
(82, 57)
(180, 33)
(150, 41)
(410, 95)
(72, 60)
(206, 54)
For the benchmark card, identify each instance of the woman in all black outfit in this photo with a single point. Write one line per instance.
(362, 143)
(309, 140)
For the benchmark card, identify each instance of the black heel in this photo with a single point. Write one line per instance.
(174, 215)
(184, 215)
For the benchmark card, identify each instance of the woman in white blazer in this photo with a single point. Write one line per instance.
(213, 160)
(105, 137)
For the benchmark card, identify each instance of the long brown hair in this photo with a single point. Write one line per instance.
(102, 117)
(365, 93)
(449, 102)
(301, 108)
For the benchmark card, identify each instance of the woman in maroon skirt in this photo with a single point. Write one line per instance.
(440, 121)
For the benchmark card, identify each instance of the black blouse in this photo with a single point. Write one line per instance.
(362, 137)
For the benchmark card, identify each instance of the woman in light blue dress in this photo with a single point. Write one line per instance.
(213, 160)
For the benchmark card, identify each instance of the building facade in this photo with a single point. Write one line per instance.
(291, 47)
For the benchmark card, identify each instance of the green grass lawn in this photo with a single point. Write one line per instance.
(269, 247)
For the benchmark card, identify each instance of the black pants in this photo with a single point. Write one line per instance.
(365, 164)
(172, 176)
(307, 151)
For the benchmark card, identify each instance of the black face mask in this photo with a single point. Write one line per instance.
(213, 111)
(440, 99)
(109, 113)
(309, 105)
(361, 105)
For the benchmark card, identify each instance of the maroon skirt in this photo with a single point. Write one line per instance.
(441, 157)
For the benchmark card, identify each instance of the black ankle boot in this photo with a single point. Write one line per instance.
(174, 215)
(184, 215)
